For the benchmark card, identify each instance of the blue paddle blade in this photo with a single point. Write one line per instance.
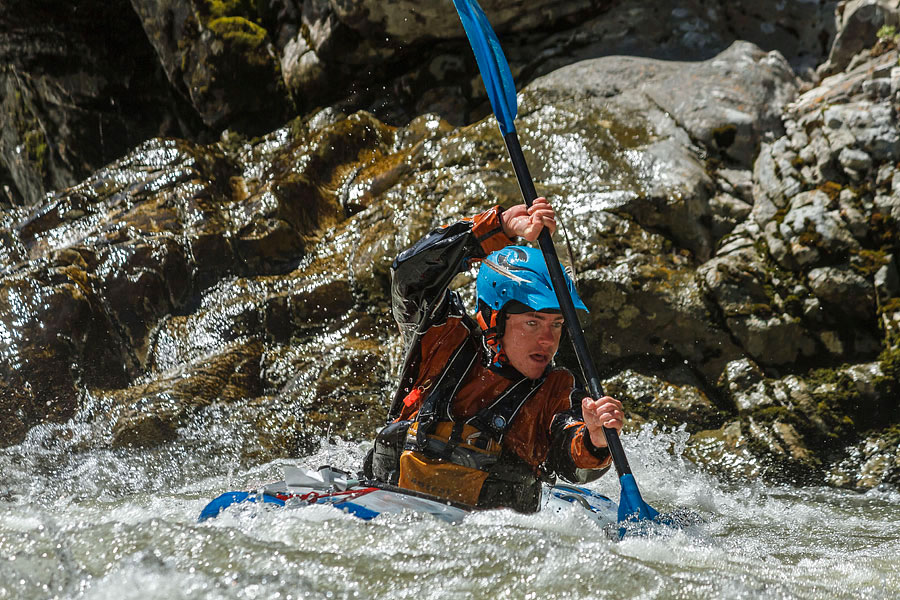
(631, 506)
(495, 73)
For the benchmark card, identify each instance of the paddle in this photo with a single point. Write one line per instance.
(501, 90)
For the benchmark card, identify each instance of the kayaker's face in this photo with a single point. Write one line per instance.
(531, 340)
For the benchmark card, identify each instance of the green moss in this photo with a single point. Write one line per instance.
(759, 309)
(810, 238)
(793, 305)
(239, 30)
(780, 214)
(888, 40)
(36, 148)
(889, 307)
(770, 414)
(845, 408)
(30, 134)
(888, 32)
(831, 189)
(867, 262)
(890, 366)
(217, 9)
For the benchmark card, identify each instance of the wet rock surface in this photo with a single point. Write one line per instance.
(734, 220)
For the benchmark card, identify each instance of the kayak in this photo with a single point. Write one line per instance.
(367, 499)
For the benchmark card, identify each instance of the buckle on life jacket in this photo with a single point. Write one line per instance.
(457, 443)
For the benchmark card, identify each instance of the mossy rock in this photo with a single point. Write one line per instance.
(217, 9)
(232, 74)
(242, 38)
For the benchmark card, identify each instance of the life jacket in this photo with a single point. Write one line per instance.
(452, 458)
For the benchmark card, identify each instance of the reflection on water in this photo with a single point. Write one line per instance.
(122, 524)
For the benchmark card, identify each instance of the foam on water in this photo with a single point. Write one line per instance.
(105, 524)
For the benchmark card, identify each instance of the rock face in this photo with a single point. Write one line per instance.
(734, 223)
(81, 85)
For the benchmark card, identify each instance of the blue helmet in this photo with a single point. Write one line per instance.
(519, 273)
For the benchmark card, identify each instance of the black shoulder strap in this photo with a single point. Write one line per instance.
(497, 418)
(436, 405)
(451, 305)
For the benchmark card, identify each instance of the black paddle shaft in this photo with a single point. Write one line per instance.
(565, 300)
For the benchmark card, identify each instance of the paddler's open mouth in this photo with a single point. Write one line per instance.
(539, 357)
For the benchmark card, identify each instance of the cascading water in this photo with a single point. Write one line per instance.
(123, 524)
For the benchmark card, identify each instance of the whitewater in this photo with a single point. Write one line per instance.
(95, 523)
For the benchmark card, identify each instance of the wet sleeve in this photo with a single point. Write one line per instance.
(421, 274)
(572, 456)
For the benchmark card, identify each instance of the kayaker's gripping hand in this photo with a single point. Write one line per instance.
(597, 414)
(527, 222)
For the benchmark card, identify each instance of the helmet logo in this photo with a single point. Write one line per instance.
(499, 422)
(521, 256)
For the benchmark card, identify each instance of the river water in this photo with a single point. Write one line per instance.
(81, 522)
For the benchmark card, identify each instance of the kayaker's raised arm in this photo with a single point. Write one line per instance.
(422, 272)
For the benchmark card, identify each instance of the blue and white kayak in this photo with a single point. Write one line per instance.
(368, 499)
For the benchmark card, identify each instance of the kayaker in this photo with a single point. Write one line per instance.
(481, 417)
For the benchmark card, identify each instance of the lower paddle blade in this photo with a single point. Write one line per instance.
(631, 506)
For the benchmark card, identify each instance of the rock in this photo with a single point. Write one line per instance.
(743, 375)
(887, 281)
(774, 340)
(73, 101)
(727, 212)
(14, 422)
(870, 126)
(746, 105)
(854, 162)
(770, 193)
(218, 56)
(667, 402)
(844, 290)
(726, 451)
(668, 309)
(407, 21)
(871, 463)
(191, 286)
(858, 22)
(814, 231)
(732, 126)
(150, 414)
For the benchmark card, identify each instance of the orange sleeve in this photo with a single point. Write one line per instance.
(581, 456)
(488, 230)
(582, 452)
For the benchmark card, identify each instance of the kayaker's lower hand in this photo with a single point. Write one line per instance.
(605, 412)
(521, 221)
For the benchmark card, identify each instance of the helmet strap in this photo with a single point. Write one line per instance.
(493, 324)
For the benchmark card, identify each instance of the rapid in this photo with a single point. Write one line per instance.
(98, 524)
